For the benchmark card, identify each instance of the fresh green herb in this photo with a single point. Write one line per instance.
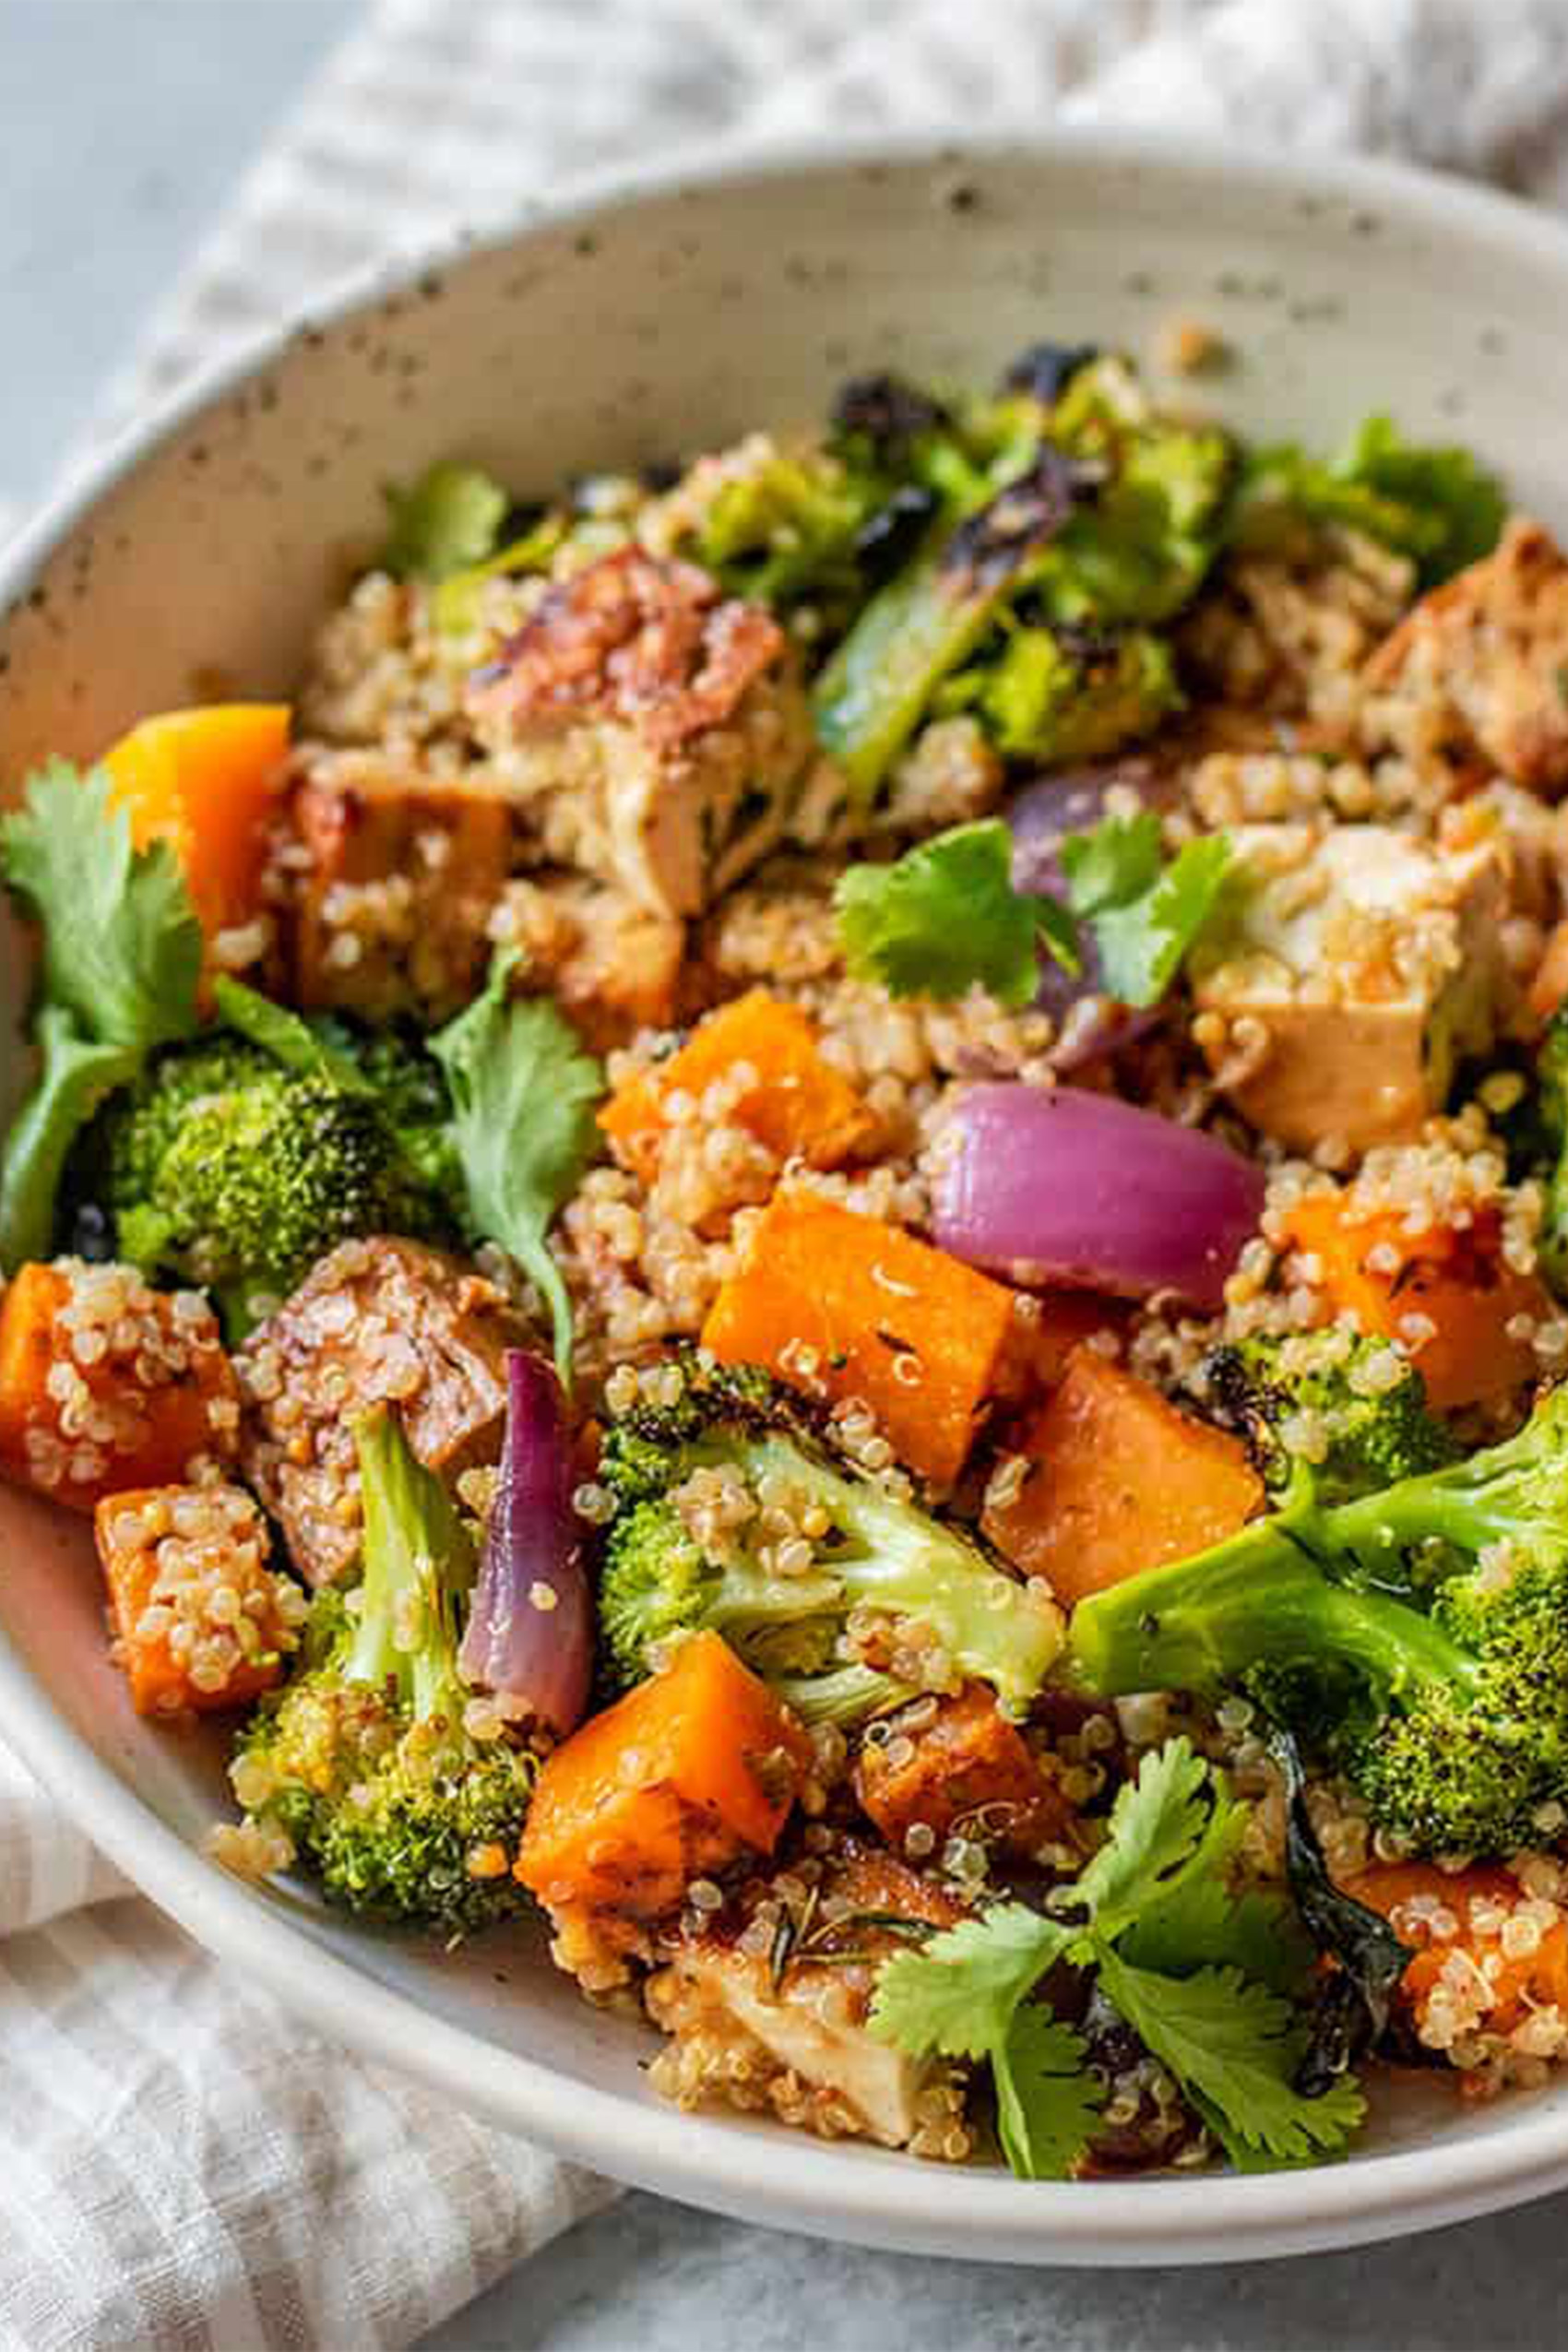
(1437, 506)
(1207, 1980)
(1146, 916)
(448, 519)
(946, 918)
(121, 959)
(523, 1097)
(291, 1041)
(457, 600)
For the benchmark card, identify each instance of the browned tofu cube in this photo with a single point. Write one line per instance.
(394, 876)
(1490, 648)
(612, 964)
(652, 731)
(377, 1322)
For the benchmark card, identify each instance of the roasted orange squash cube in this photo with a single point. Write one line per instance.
(200, 1620)
(1454, 1291)
(691, 1770)
(842, 1305)
(105, 1384)
(207, 781)
(785, 1093)
(968, 1761)
(1119, 1481)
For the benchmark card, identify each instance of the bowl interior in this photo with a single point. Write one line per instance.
(630, 331)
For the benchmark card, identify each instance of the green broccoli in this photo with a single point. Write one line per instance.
(1551, 1106)
(1324, 1397)
(1417, 1636)
(364, 1759)
(1436, 505)
(665, 1573)
(229, 1167)
(1055, 695)
(1080, 511)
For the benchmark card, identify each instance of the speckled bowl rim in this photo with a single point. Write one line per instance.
(768, 2176)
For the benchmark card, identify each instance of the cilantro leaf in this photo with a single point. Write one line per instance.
(1195, 1921)
(523, 1097)
(1157, 1825)
(1233, 2047)
(1115, 860)
(956, 1997)
(122, 945)
(1145, 917)
(122, 954)
(448, 519)
(946, 918)
(1047, 2106)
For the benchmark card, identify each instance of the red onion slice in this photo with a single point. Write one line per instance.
(529, 1635)
(1059, 1185)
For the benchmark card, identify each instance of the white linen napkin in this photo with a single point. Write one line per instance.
(185, 2164)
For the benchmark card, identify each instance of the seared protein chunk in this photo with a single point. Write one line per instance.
(612, 964)
(391, 874)
(1353, 969)
(766, 2007)
(377, 1321)
(1490, 648)
(651, 728)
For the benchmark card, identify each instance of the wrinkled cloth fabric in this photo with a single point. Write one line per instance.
(186, 2164)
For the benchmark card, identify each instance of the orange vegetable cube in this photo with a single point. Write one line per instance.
(691, 1770)
(969, 1760)
(790, 1098)
(1119, 1482)
(1458, 1283)
(200, 1620)
(1495, 1989)
(206, 781)
(105, 1384)
(842, 1305)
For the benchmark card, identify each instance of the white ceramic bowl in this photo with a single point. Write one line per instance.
(638, 322)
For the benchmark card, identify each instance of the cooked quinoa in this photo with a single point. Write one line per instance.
(1248, 825)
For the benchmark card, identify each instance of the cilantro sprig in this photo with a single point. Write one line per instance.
(523, 1099)
(946, 915)
(120, 963)
(1210, 1982)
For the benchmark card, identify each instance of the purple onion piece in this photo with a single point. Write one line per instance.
(529, 1635)
(1040, 818)
(1059, 1185)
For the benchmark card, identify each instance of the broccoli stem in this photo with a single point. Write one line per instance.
(418, 1562)
(1469, 1504)
(76, 1077)
(849, 1694)
(895, 1558)
(920, 628)
(1259, 1597)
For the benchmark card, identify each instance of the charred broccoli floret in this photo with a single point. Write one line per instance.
(707, 1489)
(364, 1759)
(1330, 1399)
(1064, 504)
(1417, 1636)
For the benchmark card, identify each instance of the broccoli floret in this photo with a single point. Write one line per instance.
(1323, 1398)
(677, 1562)
(364, 1759)
(411, 1089)
(223, 1166)
(1056, 695)
(1417, 1636)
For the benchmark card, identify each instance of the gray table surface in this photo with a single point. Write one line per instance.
(122, 124)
